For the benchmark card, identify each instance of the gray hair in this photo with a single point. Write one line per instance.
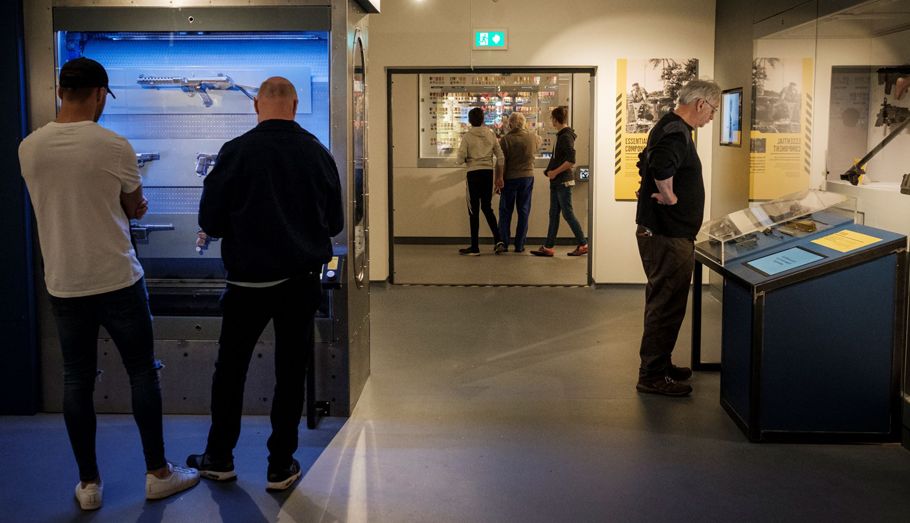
(517, 121)
(697, 89)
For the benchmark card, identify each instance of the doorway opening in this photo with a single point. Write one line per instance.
(429, 205)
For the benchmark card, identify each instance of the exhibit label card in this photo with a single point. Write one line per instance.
(846, 241)
(784, 261)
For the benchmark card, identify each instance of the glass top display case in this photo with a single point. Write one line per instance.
(772, 224)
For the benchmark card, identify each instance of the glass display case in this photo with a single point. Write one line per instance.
(772, 224)
(868, 102)
(446, 99)
(180, 97)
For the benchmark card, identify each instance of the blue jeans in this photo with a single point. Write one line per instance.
(561, 200)
(520, 189)
(125, 314)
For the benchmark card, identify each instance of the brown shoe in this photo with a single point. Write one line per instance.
(580, 250)
(679, 373)
(665, 385)
(543, 251)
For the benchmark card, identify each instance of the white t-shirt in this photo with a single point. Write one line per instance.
(75, 173)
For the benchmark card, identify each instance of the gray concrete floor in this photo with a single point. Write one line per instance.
(487, 405)
(441, 264)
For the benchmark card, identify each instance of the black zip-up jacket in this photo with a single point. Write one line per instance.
(563, 151)
(274, 197)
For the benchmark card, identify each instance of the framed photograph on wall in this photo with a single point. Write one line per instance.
(731, 117)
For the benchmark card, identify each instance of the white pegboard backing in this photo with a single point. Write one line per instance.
(251, 50)
(173, 200)
(178, 126)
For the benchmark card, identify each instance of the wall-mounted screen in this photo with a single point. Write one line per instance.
(731, 117)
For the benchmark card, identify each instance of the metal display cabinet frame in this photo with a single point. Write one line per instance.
(187, 345)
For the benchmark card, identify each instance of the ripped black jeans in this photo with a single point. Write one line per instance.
(125, 314)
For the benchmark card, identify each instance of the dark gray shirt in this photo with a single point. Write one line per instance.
(563, 151)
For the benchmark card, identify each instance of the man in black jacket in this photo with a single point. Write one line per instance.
(274, 198)
(671, 204)
(561, 176)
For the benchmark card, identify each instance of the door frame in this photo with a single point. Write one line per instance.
(591, 70)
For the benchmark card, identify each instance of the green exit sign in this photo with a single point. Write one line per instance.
(491, 39)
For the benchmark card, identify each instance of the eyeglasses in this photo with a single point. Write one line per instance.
(713, 109)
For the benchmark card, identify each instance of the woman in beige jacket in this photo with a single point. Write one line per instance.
(479, 151)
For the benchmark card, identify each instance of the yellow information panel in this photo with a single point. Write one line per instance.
(781, 145)
(846, 241)
(646, 90)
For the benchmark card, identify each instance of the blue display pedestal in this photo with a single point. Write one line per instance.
(814, 352)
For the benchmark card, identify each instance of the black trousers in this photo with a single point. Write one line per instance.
(246, 311)
(668, 264)
(480, 195)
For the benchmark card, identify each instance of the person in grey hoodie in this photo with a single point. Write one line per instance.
(560, 173)
(479, 151)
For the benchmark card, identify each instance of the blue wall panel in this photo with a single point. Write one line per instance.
(737, 349)
(18, 352)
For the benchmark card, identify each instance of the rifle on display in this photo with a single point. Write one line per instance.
(191, 86)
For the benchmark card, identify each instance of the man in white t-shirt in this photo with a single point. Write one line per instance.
(84, 184)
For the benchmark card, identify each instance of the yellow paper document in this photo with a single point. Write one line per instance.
(846, 241)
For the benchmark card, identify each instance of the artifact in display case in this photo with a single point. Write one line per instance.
(772, 224)
(181, 96)
(854, 104)
(445, 101)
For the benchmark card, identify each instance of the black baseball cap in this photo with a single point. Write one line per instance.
(84, 72)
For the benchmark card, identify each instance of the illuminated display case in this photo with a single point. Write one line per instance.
(446, 99)
(180, 96)
(185, 79)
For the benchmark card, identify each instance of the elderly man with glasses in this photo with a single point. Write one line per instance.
(671, 203)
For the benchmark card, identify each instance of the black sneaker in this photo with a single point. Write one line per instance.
(469, 252)
(679, 373)
(665, 385)
(519, 249)
(217, 470)
(500, 248)
(281, 479)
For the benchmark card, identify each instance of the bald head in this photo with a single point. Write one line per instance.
(276, 99)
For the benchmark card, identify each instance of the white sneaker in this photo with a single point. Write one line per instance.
(180, 479)
(89, 497)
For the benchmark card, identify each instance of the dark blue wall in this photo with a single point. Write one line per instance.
(18, 347)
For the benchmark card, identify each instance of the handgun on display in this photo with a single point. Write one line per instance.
(892, 77)
(191, 86)
(889, 114)
(204, 162)
(141, 158)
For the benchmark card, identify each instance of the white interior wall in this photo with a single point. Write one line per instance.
(580, 33)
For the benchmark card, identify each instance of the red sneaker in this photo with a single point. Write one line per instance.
(543, 251)
(581, 249)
